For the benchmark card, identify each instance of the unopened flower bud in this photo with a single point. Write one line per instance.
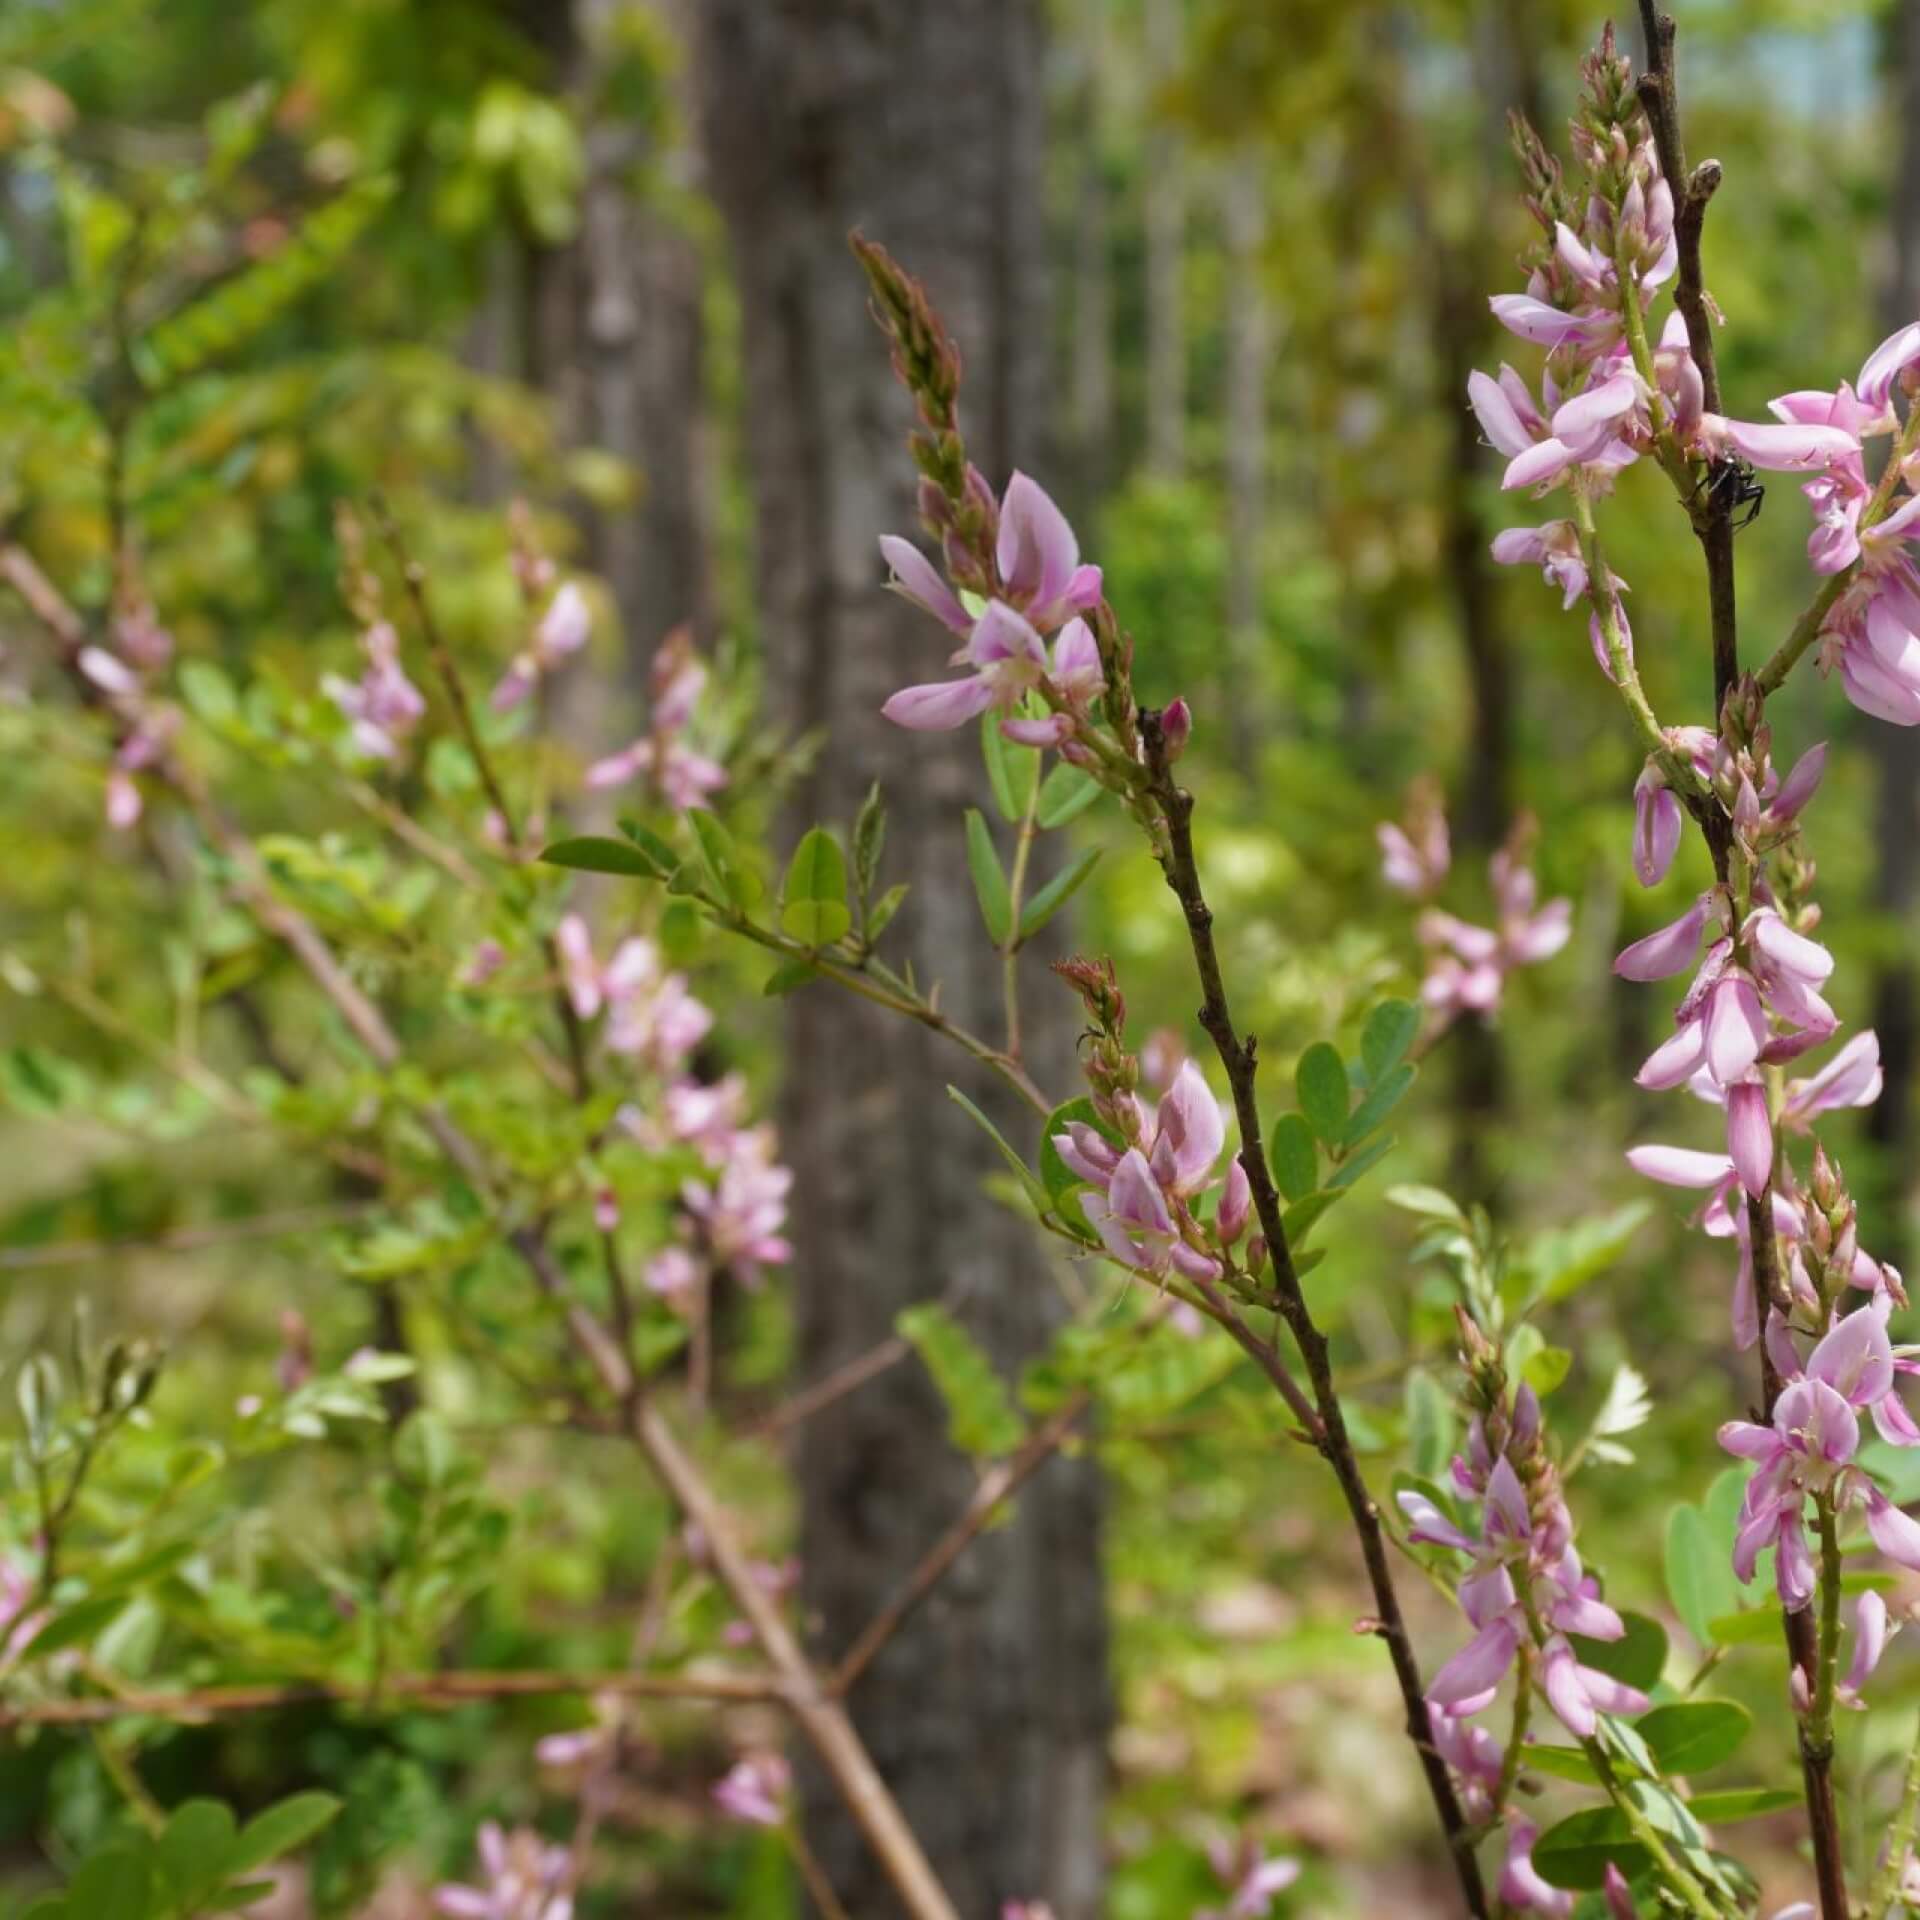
(1257, 1254)
(1176, 729)
(1236, 1205)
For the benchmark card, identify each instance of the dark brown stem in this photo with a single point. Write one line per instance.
(1712, 520)
(1329, 1428)
(1712, 512)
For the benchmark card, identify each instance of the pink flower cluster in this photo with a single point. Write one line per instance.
(526, 1879)
(124, 674)
(1526, 1541)
(732, 1218)
(1468, 965)
(383, 705)
(1041, 591)
(680, 775)
(560, 632)
(1809, 1448)
(1144, 1189)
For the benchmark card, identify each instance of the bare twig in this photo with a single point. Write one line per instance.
(194, 1705)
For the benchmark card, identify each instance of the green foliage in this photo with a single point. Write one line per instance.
(981, 1417)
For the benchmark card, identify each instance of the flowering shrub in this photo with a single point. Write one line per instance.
(518, 1081)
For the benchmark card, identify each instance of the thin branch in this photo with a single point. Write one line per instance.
(998, 1486)
(1238, 1057)
(195, 1705)
(215, 1233)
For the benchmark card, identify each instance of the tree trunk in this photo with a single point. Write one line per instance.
(918, 121)
(607, 327)
(1166, 222)
(1896, 750)
(1091, 369)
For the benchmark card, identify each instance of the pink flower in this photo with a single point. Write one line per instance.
(1253, 1878)
(755, 1790)
(1554, 548)
(526, 1880)
(1009, 660)
(562, 631)
(384, 706)
(680, 775)
(1039, 559)
(1520, 1886)
(1809, 1448)
(741, 1211)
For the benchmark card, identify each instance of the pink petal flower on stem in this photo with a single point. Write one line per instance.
(940, 705)
(1750, 1135)
(916, 578)
(1668, 951)
(1657, 825)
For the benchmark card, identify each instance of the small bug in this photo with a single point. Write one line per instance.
(1730, 484)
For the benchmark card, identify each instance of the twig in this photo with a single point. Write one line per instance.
(998, 1486)
(451, 1689)
(258, 1226)
(1329, 1428)
(1712, 510)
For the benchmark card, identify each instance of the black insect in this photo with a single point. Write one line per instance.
(1730, 484)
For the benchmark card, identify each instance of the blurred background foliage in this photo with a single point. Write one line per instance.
(1273, 232)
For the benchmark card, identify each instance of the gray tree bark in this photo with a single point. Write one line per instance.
(1896, 750)
(1090, 371)
(918, 121)
(1166, 222)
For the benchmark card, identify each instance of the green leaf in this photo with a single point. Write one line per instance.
(1753, 1627)
(869, 837)
(666, 862)
(1056, 893)
(735, 879)
(1740, 1803)
(981, 1420)
(78, 1624)
(815, 890)
(1563, 1763)
(792, 974)
(1386, 1093)
(1065, 794)
(1564, 1259)
(1036, 1191)
(1296, 1160)
(1429, 1202)
(1700, 1582)
(1576, 1852)
(288, 1824)
(1390, 1030)
(1356, 1166)
(1320, 1083)
(1694, 1736)
(592, 854)
(1011, 769)
(1154, 1379)
(881, 918)
(1429, 1424)
(115, 1885)
(1639, 1658)
(1546, 1369)
(989, 882)
(208, 692)
(194, 1848)
(1300, 1219)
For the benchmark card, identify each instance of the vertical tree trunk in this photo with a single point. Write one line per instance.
(1896, 750)
(1249, 353)
(918, 121)
(607, 326)
(1166, 222)
(1092, 344)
